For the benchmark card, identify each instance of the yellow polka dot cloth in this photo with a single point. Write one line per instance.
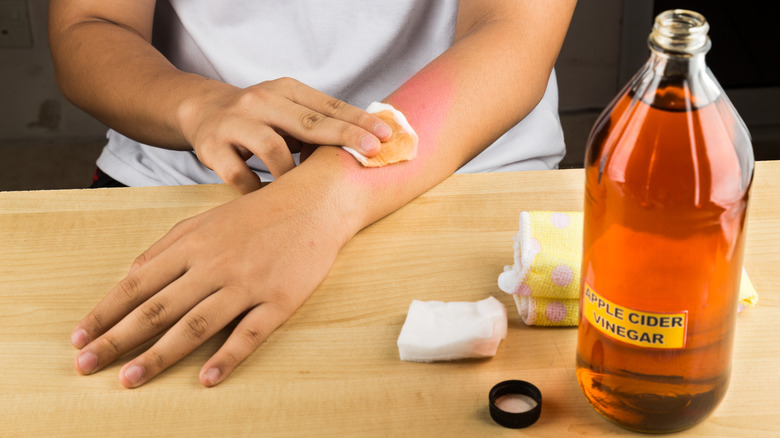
(545, 277)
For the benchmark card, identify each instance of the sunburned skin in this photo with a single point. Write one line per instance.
(425, 101)
(401, 146)
(405, 143)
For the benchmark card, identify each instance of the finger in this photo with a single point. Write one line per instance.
(126, 295)
(160, 245)
(228, 164)
(194, 328)
(314, 117)
(263, 142)
(271, 148)
(244, 153)
(314, 127)
(293, 144)
(145, 322)
(337, 109)
(248, 335)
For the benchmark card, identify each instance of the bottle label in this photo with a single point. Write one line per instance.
(643, 329)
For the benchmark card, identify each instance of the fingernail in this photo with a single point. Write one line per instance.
(79, 338)
(381, 130)
(368, 143)
(211, 376)
(134, 374)
(87, 362)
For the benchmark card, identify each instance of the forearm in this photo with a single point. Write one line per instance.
(260, 256)
(106, 65)
(110, 69)
(495, 73)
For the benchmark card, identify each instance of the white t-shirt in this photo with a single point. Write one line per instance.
(358, 52)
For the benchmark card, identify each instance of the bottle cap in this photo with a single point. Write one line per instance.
(515, 404)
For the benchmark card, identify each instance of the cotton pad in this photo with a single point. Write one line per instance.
(402, 145)
(436, 331)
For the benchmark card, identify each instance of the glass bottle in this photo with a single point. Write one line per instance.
(668, 165)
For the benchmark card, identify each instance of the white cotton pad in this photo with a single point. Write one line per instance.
(436, 331)
(402, 145)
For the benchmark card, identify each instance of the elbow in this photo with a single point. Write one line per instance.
(73, 65)
(63, 84)
(58, 44)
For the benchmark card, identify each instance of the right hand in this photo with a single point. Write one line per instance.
(271, 120)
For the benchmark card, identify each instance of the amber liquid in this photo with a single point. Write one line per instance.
(664, 214)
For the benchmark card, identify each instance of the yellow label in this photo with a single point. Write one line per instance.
(643, 329)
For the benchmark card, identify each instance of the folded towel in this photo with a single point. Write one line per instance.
(435, 330)
(545, 277)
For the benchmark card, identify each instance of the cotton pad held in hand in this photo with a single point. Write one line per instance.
(436, 331)
(402, 145)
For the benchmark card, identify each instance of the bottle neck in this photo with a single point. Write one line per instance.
(673, 82)
(679, 41)
(680, 32)
(676, 76)
(673, 65)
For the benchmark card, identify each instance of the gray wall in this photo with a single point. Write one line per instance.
(31, 106)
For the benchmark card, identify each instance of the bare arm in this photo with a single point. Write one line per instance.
(106, 65)
(265, 252)
(495, 73)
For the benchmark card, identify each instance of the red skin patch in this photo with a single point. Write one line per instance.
(425, 101)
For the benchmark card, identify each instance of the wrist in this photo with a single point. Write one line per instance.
(340, 207)
(197, 106)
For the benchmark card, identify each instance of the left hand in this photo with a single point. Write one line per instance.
(262, 254)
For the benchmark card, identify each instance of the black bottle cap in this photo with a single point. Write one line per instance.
(515, 420)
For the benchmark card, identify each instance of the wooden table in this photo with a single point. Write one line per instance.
(333, 368)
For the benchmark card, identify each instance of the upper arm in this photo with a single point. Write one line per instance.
(65, 15)
(90, 42)
(521, 37)
(538, 24)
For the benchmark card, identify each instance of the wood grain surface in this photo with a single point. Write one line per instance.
(333, 368)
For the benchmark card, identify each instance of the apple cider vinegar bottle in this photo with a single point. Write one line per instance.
(668, 165)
